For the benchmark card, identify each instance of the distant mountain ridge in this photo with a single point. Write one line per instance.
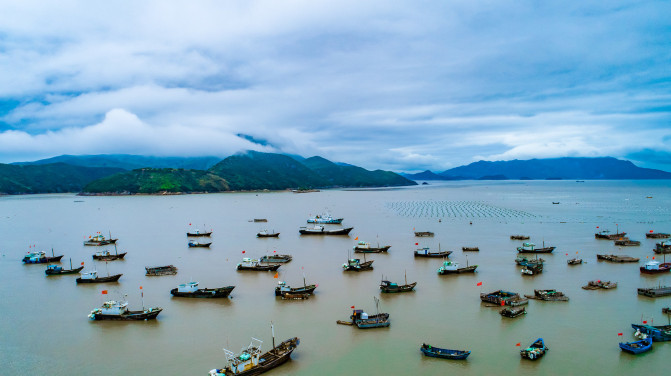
(544, 169)
(129, 162)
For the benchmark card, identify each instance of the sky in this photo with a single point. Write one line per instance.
(395, 85)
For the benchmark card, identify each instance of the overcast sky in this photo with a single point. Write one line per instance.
(396, 85)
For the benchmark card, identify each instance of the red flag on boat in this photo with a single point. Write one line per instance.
(479, 284)
(82, 263)
(619, 334)
(645, 322)
(243, 251)
(277, 275)
(352, 307)
(416, 243)
(597, 226)
(104, 292)
(567, 254)
(653, 257)
(274, 251)
(140, 287)
(650, 230)
(503, 302)
(518, 344)
(189, 224)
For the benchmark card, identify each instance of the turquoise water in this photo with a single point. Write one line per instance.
(45, 327)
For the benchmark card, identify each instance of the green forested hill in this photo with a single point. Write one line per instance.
(155, 180)
(49, 178)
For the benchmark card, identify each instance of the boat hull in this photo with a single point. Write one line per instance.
(160, 270)
(275, 235)
(537, 250)
(344, 231)
(64, 271)
(536, 351)
(259, 268)
(468, 269)
(513, 312)
(276, 258)
(433, 254)
(221, 292)
(657, 333)
(197, 234)
(119, 256)
(272, 359)
(309, 289)
(637, 347)
(112, 278)
(200, 245)
(436, 352)
(368, 265)
(398, 288)
(100, 243)
(130, 316)
(372, 249)
(44, 260)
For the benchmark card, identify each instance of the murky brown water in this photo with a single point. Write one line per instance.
(45, 329)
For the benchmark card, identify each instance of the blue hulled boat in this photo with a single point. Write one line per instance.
(657, 333)
(637, 347)
(437, 352)
(535, 351)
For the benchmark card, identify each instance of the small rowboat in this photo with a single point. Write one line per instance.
(637, 347)
(535, 350)
(437, 352)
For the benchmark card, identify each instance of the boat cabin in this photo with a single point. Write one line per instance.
(112, 307)
(187, 287)
(246, 360)
(89, 275)
(55, 268)
(35, 256)
(249, 262)
(448, 265)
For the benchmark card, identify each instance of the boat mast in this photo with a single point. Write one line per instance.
(272, 329)
(70, 263)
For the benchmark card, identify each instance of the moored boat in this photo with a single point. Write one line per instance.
(548, 295)
(627, 242)
(654, 267)
(595, 285)
(574, 261)
(357, 266)
(450, 267)
(605, 234)
(196, 244)
(199, 233)
(321, 230)
(470, 249)
(274, 258)
(437, 352)
(423, 233)
(252, 264)
(113, 310)
(522, 260)
(362, 320)
(250, 361)
(655, 292)
(660, 333)
(663, 247)
(108, 256)
(657, 235)
(282, 289)
(531, 248)
(535, 351)
(58, 270)
(191, 290)
(160, 270)
(364, 247)
(532, 269)
(426, 252)
(616, 258)
(519, 237)
(98, 240)
(513, 312)
(92, 277)
(267, 234)
(40, 258)
(502, 298)
(325, 219)
(637, 347)
(391, 287)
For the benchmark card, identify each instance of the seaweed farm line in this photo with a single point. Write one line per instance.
(45, 324)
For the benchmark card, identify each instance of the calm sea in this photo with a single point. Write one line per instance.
(45, 330)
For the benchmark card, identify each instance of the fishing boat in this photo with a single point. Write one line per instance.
(357, 266)
(160, 270)
(191, 290)
(616, 258)
(391, 287)
(423, 233)
(522, 260)
(502, 298)
(92, 277)
(295, 296)
(250, 361)
(548, 295)
(654, 267)
(108, 256)
(657, 235)
(196, 244)
(282, 288)
(267, 234)
(532, 269)
(470, 249)
(627, 242)
(325, 219)
(252, 264)
(198, 233)
(362, 320)
(531, 248)
(113, 310)
(98, 240)
(574, 261)
(535, 351)
(426, 252)
(320, 230)
(605, 234)
(450, 267)
(637, 347)
(275, 258)
(663, 247)
(655, 292)
(595, 285)
(364, 247)
(519, 237)
(260, 220)
(40, 258)
(437, 352)
(58, 270)
(512, 312)
(660, 333)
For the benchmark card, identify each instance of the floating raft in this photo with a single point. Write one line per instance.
(470, 249)
(655, 292)
(657, 235)
(616, 258)
(161, 270)
(423, 233)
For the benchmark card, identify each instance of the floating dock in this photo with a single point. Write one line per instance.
(655, 292)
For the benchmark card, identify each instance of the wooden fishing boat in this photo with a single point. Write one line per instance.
(191, 290)
(58, 270)
(260, 220)
(657, 235)
(605, 234)
(426, 252)
(40, 258)
(595, 285)
(532, 269)
(320, 230)
(112, 310)
(627, 243)
(92, 277)
(655, 292)
(423, 233)
(637, 347)
(660, 333)
(266, 234)
(275, 258)
(391, 287)
(574, 261)
(282, 289)
(325, 219)
(470, 249)
(522, 260)
(364, 247)
(654, 267)
(501, 298)
(616, 258)
(99, 240)
(450, 267)
(548, 295)
(251, 362)
(519, 237)
(531, 248)
(109, 256)
(160, 270)
(251, 264)
(198, 233)
(362, 320)
(195, 244)
(663, 247)
(437, 352)
(357, 266)
(513, 312)
(295, 296)
(535, 351)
